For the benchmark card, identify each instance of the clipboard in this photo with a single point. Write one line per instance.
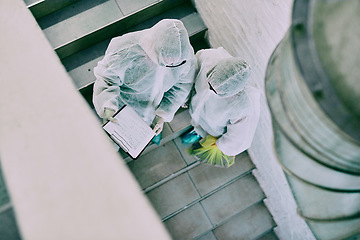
(131, 133)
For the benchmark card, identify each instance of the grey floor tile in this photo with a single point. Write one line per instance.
(208, 178)
(166, 131)
(166, 137)
(8, 226)
(78, 19)
(123, 154)
(42, 8)
(188, 224)
(181, 120)
(196, 25)
(157, 164)
(84, 74)
(182, 148)
(173, 195)
(268, 236)
(247, 225)
(129, 6)
(4, 196)
(232, 199)
(29, 2)
(87, 55)
(80, 66)
(207, 236)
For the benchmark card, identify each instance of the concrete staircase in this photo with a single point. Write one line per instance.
(8, 227)
(195, 201)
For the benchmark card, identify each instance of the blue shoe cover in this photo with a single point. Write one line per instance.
(157, 139)
(191, 137)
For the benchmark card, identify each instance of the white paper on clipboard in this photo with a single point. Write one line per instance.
(130, 131)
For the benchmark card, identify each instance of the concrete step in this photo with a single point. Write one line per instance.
(223, 205)
(196, 200)
(41, 8)
(206, 200)
(4, 196)
(85, 23)
(173, 197)
(8, 225)
(193, 198)
(178, 126)
(249, 224)
(80, 65)
(166, 162)
(268, 235)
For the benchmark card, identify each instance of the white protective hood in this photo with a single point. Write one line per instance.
(134, 71)
(231, 115)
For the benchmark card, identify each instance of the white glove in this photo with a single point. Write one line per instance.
(157, 124)
(108, 115)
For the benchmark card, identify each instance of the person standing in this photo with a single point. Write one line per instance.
(224, 109)
(150, 70)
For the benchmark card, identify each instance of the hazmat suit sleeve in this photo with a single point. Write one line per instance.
(240, 132)
(106, 87)
(106, 90)
(177, 95)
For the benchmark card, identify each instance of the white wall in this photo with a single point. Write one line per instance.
(63, 175)
(252, 29)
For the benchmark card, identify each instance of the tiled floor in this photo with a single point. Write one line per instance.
(8, 226)
(199, 201)
(165, 160)
(129, 6)
(77, 20)
(193, 220)
(246, 225)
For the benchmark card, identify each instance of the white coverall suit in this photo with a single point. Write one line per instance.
(232, 114)
(138, 70)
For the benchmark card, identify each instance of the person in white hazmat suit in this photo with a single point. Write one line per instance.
(150, 70)
(224, 109)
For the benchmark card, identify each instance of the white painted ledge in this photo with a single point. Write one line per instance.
(64, 177)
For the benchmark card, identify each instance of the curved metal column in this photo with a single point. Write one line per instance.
(313, 97)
